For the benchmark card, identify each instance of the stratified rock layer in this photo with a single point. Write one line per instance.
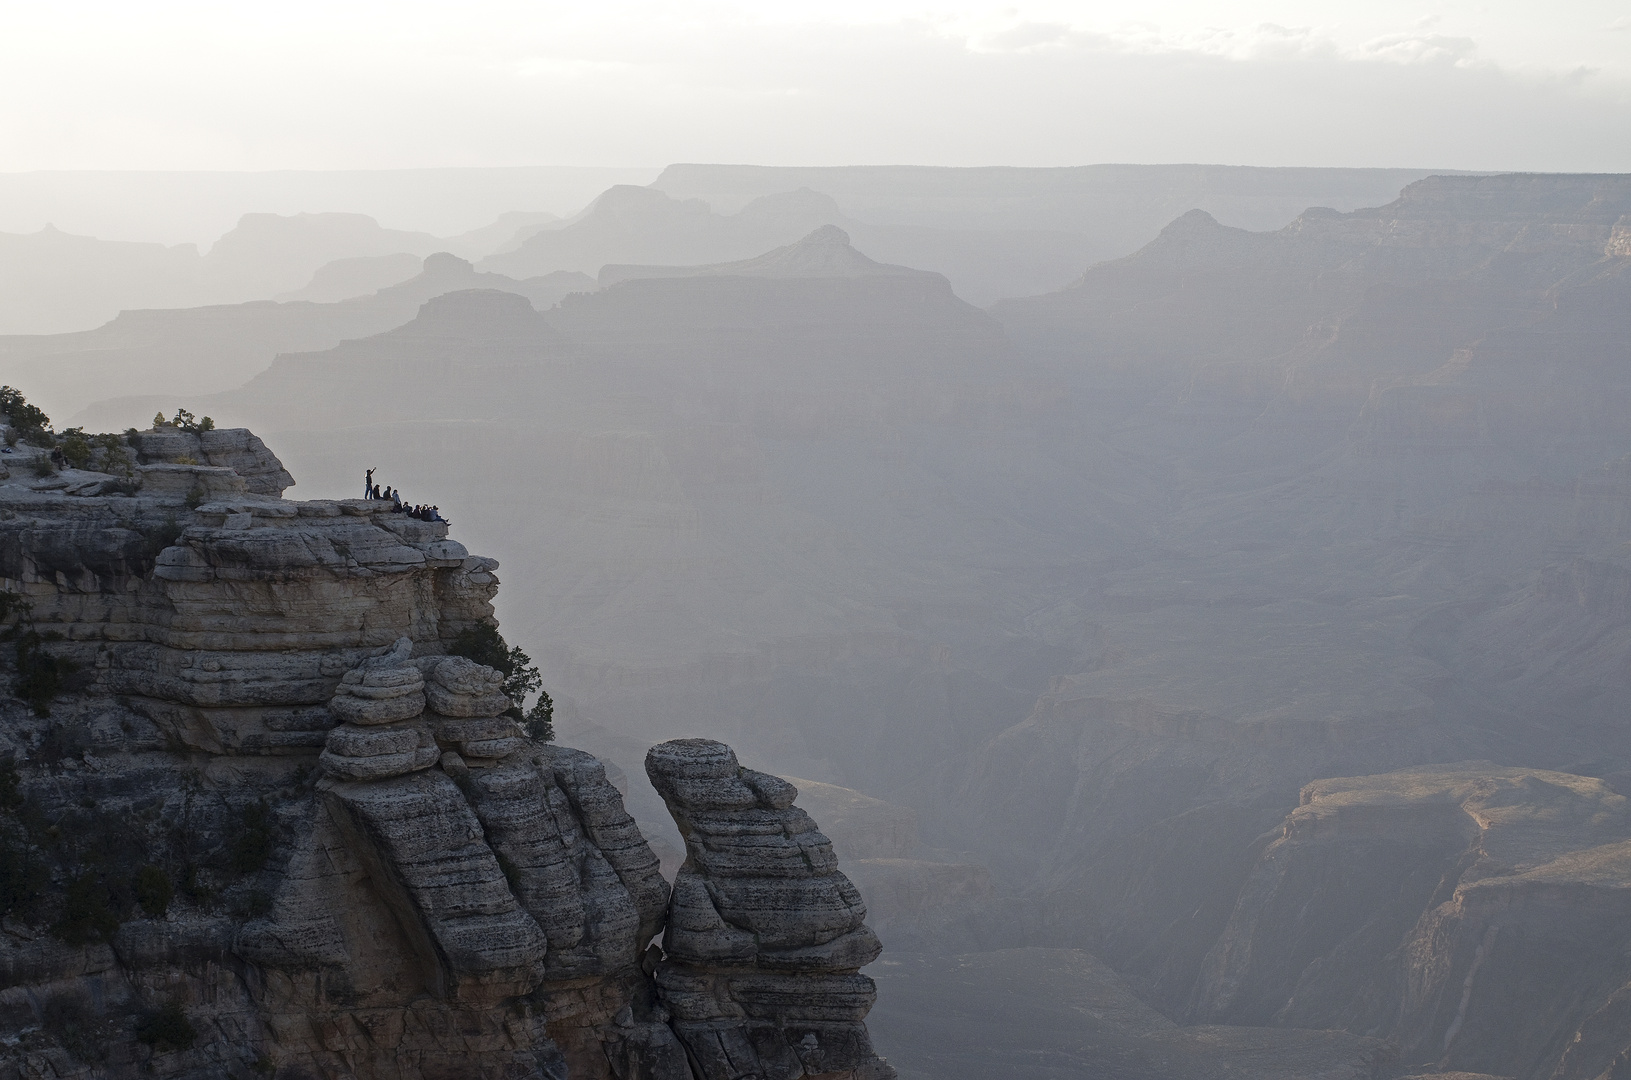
(765, 936)
(356, 864)
(1475, 914)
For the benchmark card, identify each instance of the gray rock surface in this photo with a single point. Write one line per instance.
(367, 871)
(766, 938)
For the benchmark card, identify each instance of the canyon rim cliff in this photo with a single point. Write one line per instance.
(259, 821)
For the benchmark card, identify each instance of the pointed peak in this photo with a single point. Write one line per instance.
(1192, 221)
(827, 235)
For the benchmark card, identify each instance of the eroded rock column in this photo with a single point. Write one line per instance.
(765, 936)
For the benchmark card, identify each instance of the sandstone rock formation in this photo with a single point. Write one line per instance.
(260, 821)
(1097, 585)
(766, 938)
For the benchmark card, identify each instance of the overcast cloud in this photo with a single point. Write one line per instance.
(375, 85)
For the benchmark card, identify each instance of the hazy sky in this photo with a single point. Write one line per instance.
(307, 85)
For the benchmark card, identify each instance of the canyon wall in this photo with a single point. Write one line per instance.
(257, 820)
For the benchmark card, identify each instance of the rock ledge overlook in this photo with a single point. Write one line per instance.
(258, 821)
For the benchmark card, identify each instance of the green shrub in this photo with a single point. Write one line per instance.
(27, 421)
(541, 718)
(166, 1029)
(485, 645)
(154, 891)
(115, 459)
(76, 449)
(186, 421)
(155, 538)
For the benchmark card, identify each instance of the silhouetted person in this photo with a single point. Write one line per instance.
(368, 485)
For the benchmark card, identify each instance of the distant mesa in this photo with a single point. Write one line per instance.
(644, 226)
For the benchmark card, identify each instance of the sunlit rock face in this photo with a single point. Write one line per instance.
(267, 823)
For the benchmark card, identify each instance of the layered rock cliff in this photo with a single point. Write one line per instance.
(1475, 915)
(256, 820)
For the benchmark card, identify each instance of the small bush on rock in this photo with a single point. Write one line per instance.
(115, 459)
(541, 718)
(76, 449)
(155, 538)
(27, 422)
(485, 645)
(186, 421)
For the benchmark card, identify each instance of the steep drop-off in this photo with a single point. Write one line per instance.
(256, 820)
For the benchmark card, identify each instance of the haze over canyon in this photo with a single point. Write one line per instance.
(1123, 621)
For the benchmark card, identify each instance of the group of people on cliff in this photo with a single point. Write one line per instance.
(420, 511)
